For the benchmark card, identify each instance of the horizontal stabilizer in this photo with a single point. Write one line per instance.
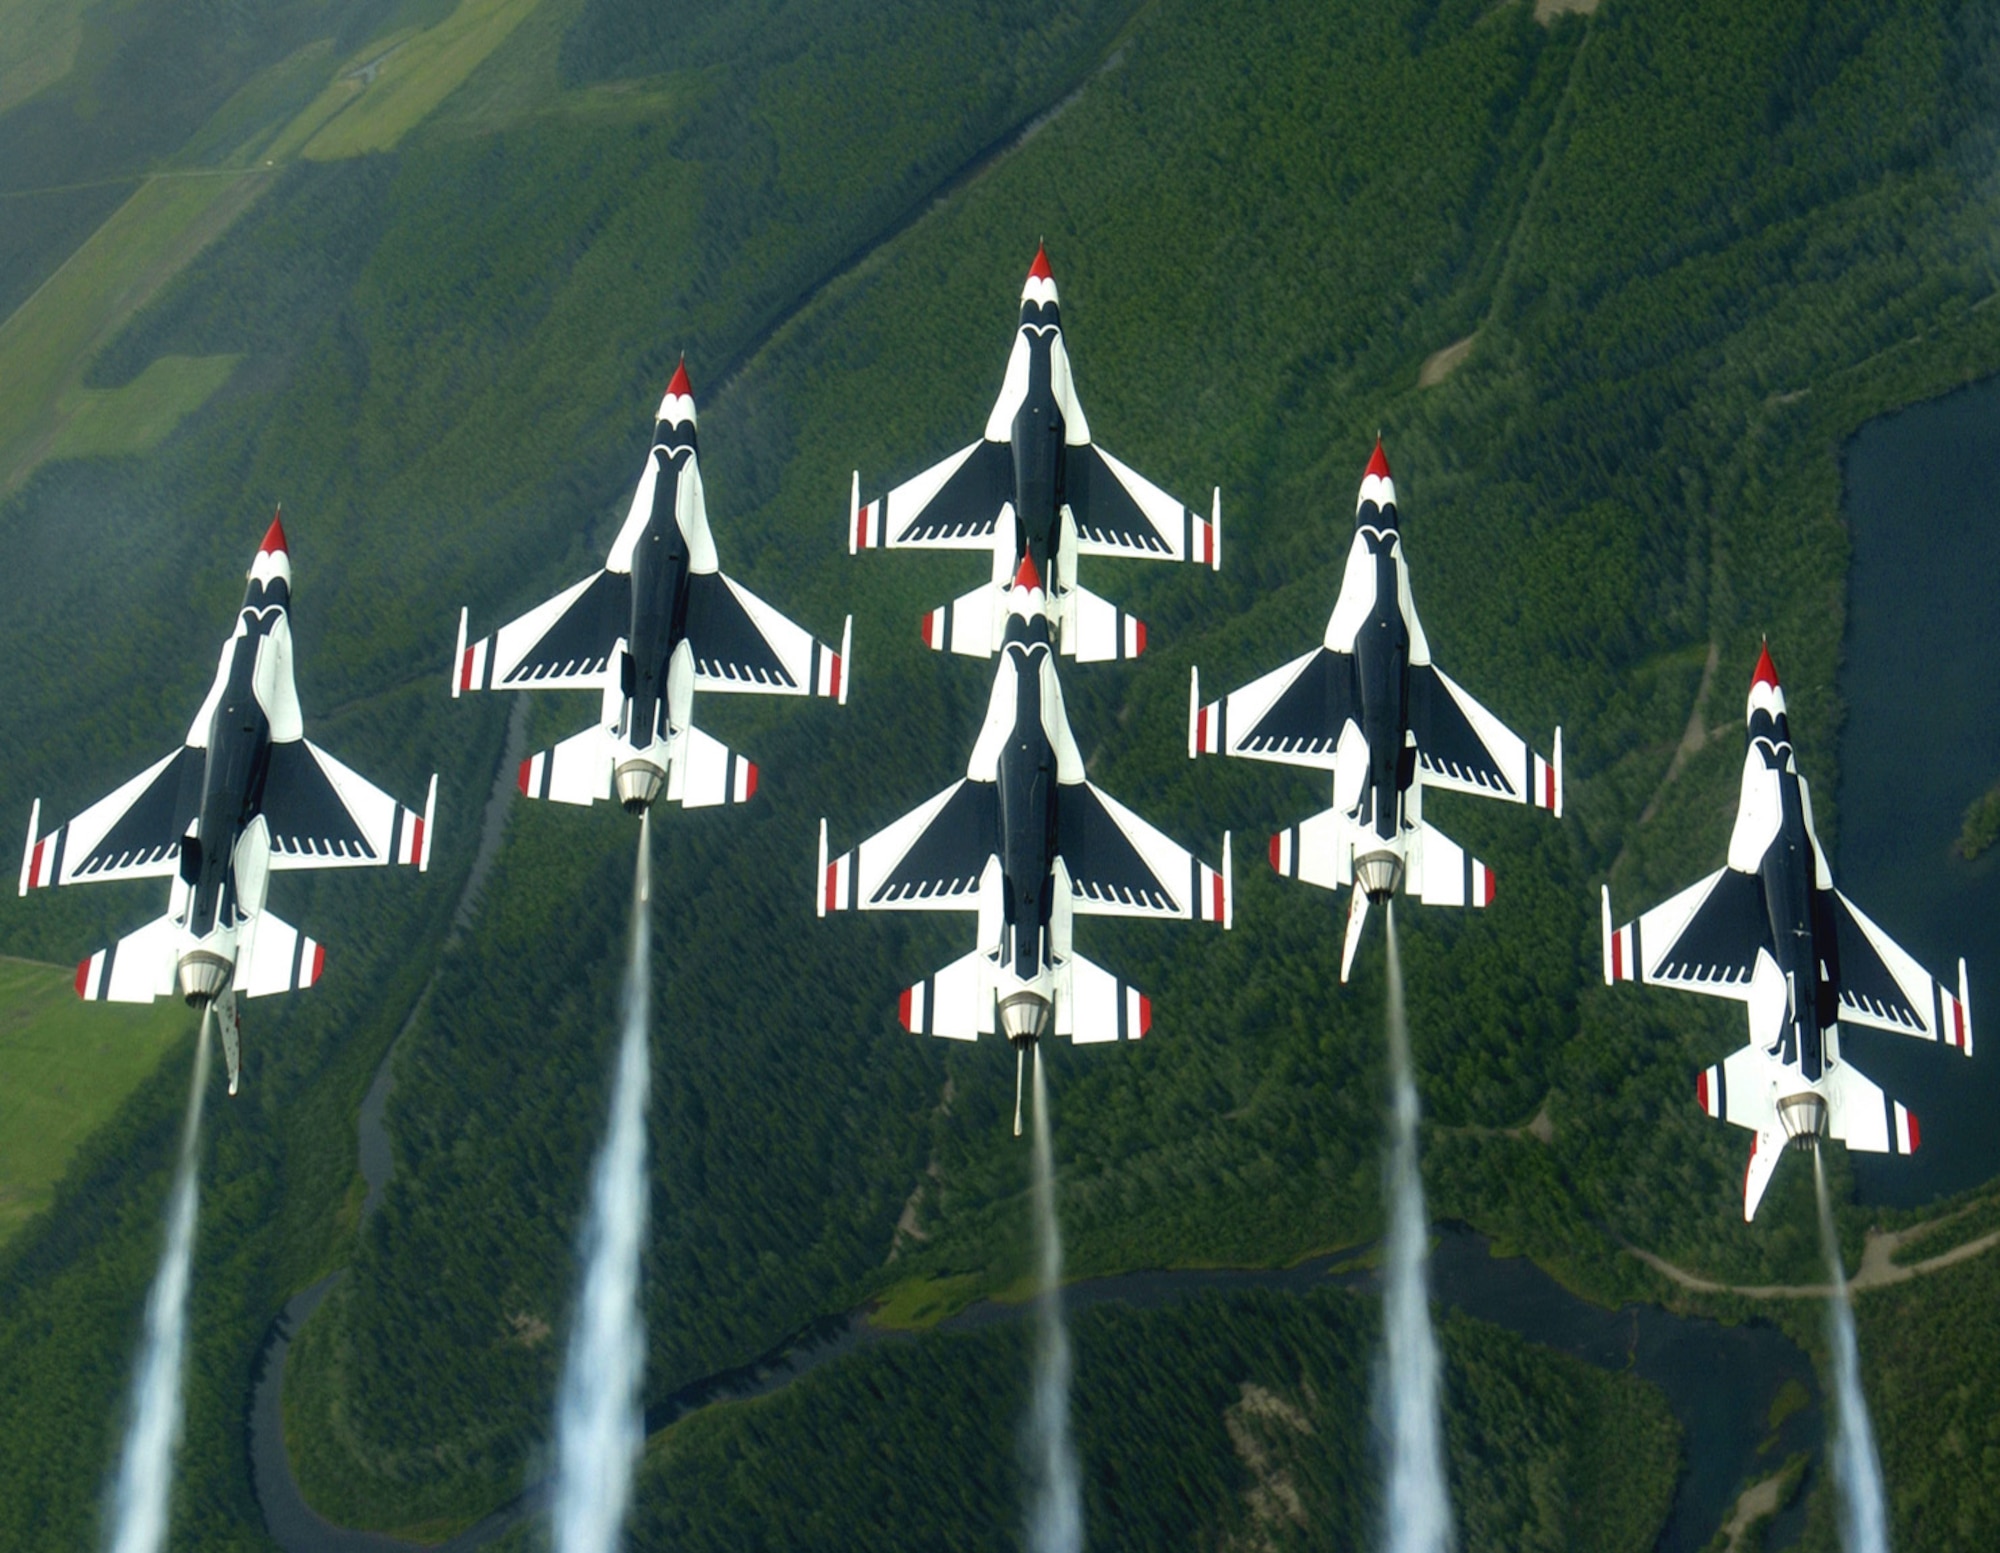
(1095, 630)
(136, 969)
(968, 624)
(707, 772)
(1864, 1118)
(279, 959)
(1319, 851)
(1742, 1089)
(578, 770)
(1093, 1005)
(1440, 872)
(956, 1003)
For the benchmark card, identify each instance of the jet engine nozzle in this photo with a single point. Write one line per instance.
(203, 977)
(638, 783)
(1024, 1017)
(1804, 1119)
(1379, 875)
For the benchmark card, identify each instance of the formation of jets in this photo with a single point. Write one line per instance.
(1024, 842)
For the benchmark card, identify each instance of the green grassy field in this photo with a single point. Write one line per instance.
(50, 339)
(65, 1065)
(38, 40)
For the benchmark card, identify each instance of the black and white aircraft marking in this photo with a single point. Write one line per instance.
(1769, 930)
(1027, 843)
(658, 623)
(1368, 706)
(1035, 486)
(246, 796)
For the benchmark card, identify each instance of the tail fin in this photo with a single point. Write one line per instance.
(1357, 914)
(1766, 1149)
(230, 1027)
(1093, 1005)
(136, 969)
(1095, 630)
(956, 1003)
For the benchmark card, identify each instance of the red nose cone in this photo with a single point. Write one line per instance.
(1378, 463)
(1027, 576)
(274, 536)
(680, 384)
(1039, 270)
(1767, 673)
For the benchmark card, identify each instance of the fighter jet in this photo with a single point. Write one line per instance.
(1027, 843)
(658, 623)
(1769, 930)
(1369, 706)
(1036, 486)
(246, 795)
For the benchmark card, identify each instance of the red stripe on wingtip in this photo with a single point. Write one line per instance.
(1915, 1133)
(1201, 729)
(35, 867)
(1489, 883)
(839, 668)
(750, 781)
(1216, 894)
(319, 960)
(903, 1007)
(1145, 1013)
(521, 781)
(1277, 853)
(832, 870)
(465, 669)
(1701, 1089)
(82, 978)
(417, 842)
(1617, 956)
(1139, 638)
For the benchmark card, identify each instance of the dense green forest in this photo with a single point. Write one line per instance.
(1693, 248)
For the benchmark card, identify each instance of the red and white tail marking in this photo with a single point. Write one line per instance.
(1134, 641)
(414, 831)
(836, 879)
(937, 628)
(1906, 1134)
(912, 1007)
(864, 524)
(39, 853)
(474, 662)
(1216, 892)
(1484, 884)
(1204, 722)
(1548, 781)
(1285, 853)
(831, 669)
(742, 779)
(1955, 1014)
(90, 981)
(1621, 949)
(1708, 1091)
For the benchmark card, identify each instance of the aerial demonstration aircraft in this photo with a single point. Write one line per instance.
(1370, 707)
(658, 623)
(1028, 843)
(247, 795)
(1769, 930)
(1036, 486)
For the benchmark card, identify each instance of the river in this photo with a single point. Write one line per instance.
(1921, 680)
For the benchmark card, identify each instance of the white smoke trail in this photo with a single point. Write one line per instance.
(1417, 1506)
(141, 1498)
(1055, 1512)
(600, 1428)
(1857, 1469)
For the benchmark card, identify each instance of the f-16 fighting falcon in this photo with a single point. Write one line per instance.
(1370, 707)
(1036, 486)
(246, 796)
(658, 623)
(1769, 930)
(1029, 844)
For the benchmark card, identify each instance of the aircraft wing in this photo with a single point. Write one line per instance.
(134, 833)
(932, 859)
(953, 505)
(1882, 985)
(1706, 939)
(1293, 715)
(1118, 511)
(321, 814)
(1463, 747)
(742, 644)
(562, 644)
(1119, 866)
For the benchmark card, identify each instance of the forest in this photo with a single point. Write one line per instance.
(1693, 247)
